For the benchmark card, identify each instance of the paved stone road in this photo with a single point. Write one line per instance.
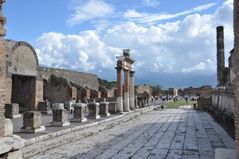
(165, 134)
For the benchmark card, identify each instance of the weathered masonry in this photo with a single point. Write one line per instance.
(125, 63)
(23, 83)
(235, 59)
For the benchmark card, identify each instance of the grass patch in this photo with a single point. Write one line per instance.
(172, 104)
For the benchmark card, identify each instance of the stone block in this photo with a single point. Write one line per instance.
(9, 144)
(13, 155)
(104, 109)
(79, 112)
(93, 110)
(8, 127)
(12, 110)
(225, 154)
(44, 107)
(60, 115)
(112, 107)
(32, 122)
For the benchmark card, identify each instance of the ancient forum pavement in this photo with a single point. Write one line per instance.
(164, 134)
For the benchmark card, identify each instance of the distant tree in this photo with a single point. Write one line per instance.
(156, 90)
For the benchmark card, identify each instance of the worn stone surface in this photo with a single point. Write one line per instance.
(8, 127)
(236, 68)
(176, 133)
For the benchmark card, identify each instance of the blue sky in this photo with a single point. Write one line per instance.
(168, 39)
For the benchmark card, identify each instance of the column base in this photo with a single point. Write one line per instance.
(126, 102)
(119, 104)
(60, 124)
(94, 117)
(33, 130)
(79, 120)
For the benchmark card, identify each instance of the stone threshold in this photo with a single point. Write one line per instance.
(45, 142)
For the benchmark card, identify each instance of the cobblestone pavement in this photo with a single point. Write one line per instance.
(164, 134)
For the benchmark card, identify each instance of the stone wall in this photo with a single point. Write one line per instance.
(57, 90)
(235, 60)
(80, 78)
(39, 92)
(223, 102)
(2, 85)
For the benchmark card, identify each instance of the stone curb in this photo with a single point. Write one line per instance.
(45, 142)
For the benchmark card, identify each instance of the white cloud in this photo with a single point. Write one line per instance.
(149, 18)
(79, 52)
(151, 3)
(186, 46)
(92, 9)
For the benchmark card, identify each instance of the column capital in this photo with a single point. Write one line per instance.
(131, 73)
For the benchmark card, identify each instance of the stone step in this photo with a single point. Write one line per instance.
(45, 142)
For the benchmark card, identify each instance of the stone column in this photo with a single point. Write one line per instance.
(126, 91)
(220, 56)
(235, 64)
(60, 115)
(119, 90)
(131, 91)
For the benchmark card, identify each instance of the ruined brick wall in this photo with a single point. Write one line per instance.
(204, 103)
(39, 92)
(57, 90)
(80, 78)
(235, 60)
(2, 85)
(23, 92)
(223, 102)
(143, 88)
(8, 89)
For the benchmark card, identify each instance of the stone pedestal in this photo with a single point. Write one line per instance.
(79, 112)
(44, 107)
(60, 115)
(93, 110)
(8, 127)
(104, 109)
(32, 122)
(12, 110)
(112, 107)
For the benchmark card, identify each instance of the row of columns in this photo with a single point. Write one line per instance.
(128, 103)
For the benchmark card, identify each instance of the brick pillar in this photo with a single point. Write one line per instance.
(119, 90)
(39, 93)
(126, 91)
(220, 56)
(235, 64)
(131, 91)
(2, 71)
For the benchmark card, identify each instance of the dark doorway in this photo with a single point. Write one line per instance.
(23, 92)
